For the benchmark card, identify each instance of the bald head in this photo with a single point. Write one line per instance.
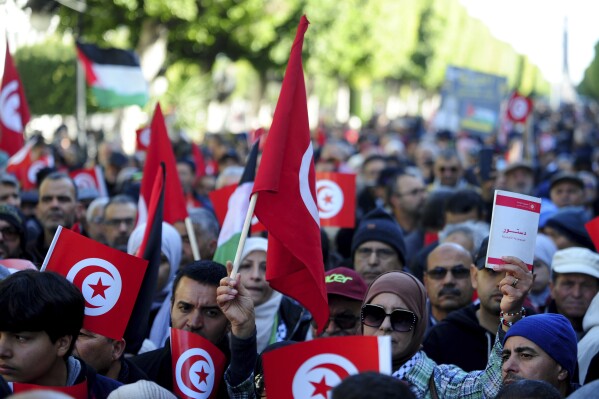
(447, 279)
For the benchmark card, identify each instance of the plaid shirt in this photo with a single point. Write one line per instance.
(245, 390)
(453, 382)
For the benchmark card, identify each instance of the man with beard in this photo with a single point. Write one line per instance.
(56, 207)
(345, 291)
(447, 281)
(471, 327)
(119, 220)
(543, 348)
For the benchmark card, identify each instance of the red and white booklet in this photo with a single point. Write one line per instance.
(514, 227)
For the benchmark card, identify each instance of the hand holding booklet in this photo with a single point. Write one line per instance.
(514, 226)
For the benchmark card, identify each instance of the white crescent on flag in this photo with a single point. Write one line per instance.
(304, 184)
(200, 374)
(10, 103)
(100, 283)
(319, 374)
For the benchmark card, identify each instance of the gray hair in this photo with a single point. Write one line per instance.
(474, 230)
(205, 221)
(99, 202)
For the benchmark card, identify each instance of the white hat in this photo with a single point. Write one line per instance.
(254, 244)
(576, 260)
(141, 389)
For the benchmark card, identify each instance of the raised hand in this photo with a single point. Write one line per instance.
(236, 303)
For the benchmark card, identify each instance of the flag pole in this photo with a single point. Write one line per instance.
(192, 239)
(244, 233)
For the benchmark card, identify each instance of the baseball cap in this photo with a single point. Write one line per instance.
(565, 177)
(518, 165)
(576, 260)
(345, 282)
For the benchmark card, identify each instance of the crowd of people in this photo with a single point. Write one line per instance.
(413, 267)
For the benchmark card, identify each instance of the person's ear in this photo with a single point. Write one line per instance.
(118, 347)
(563, 374)
(63, 344)
(473, 275)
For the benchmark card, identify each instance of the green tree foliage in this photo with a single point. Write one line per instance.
(590, 83)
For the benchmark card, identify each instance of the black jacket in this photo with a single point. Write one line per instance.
(460, 340)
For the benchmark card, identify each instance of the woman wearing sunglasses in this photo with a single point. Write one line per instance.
(395, 306)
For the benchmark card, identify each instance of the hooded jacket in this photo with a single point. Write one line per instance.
(588, 347)
(459, 339)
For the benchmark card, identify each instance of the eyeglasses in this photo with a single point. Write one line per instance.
(381, 253)
(414, 192)
(9, 233)
(439, 273)
(118, 222)
(343, 320)
(452, 169)
(401, 320)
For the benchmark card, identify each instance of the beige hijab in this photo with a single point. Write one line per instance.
(413, 294)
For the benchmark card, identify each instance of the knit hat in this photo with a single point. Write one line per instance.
(576, 260)
(13, 216)
(553, 333)
(346, 283)
(570, 222)
(141, 389)
(378, 225)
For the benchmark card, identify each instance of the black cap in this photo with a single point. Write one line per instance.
(481, 255)
(565, 176)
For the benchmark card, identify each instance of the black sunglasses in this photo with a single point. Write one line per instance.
(401, 320)
(458, 272)
(343, 321)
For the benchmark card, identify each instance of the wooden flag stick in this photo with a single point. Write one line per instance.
(192, 239)
(244, 232)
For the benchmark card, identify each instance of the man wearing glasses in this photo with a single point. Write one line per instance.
(119, 220)
(473, 326)
(447, 281)
(345, 291)
(378, 245)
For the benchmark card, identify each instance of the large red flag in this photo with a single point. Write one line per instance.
(161, 150)
(197, 364)
(108, 279)
(286, 203)
(14, 111)
(314, 367)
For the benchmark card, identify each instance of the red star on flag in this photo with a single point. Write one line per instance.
(328, 199)
(321, 388)
(203, 375)
(99, 288)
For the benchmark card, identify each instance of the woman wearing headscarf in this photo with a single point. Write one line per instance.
(395, 306)
(278, 317)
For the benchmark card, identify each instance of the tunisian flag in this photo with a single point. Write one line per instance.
(197, 364)
(14, 111)
(286, 205)
(313, 368)
(336, 194)
(108, 279)
(161, 150)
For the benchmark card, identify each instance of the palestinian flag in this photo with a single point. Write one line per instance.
(114, 76)
(239, 202)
